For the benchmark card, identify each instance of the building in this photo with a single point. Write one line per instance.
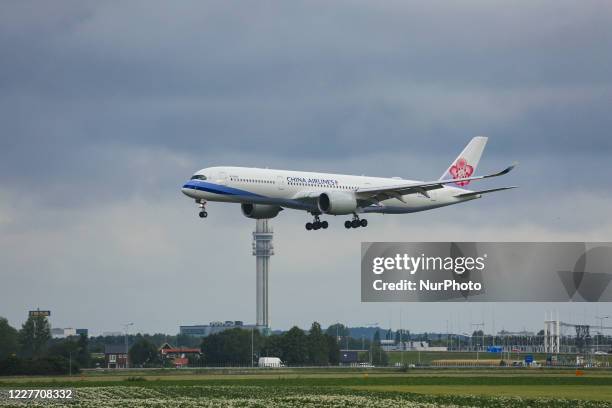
(179, 355)
(522, 333)
(389, 345)
(349, 357)
(115, 356)
(422, 346)
(112, 334)
(82, 331)
(59, 333)
(215, 327)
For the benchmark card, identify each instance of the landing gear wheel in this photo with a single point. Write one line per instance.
(316, 223)
(347, 224)
(364, 222)
(202, 204)
(355, 223)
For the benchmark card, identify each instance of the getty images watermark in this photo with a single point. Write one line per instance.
(486, 271)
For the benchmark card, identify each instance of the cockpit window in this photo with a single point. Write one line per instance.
(199, 177)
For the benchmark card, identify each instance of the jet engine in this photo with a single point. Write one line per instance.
(337, 203)
(260, 211)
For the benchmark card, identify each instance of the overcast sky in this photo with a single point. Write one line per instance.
(107, 107)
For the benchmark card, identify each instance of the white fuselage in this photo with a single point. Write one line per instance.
(299, 189)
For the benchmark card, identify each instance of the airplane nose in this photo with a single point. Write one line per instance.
(187, 191)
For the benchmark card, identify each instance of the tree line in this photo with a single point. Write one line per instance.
(294, 347)
(31, 350)
(243, 347)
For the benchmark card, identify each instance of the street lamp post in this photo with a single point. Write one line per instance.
(126, 327)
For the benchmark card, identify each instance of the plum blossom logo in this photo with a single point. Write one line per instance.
(461, 169)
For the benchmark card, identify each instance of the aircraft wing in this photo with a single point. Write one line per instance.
(305, 199)
(306, 196)
(397, 191)
(475, 193)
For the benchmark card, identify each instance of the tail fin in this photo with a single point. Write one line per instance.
(465, 164)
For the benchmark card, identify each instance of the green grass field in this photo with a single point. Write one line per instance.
(428, 357)
(328, 388)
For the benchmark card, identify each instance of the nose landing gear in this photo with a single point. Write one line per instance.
(316, 224)
(202, 205)
(356, 222)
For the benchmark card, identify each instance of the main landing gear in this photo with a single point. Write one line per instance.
(356, 222)
(316, 224)
(202, 204)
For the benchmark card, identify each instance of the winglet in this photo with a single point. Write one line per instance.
(505, 171)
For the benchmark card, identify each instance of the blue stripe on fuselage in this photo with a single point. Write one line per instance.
(247, 196)
(218, 189)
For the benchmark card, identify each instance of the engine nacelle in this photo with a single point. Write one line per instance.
(337, 203)
(260, 211)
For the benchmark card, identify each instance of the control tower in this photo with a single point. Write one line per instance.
(262, 250)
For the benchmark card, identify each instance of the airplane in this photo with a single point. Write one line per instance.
(263, 193)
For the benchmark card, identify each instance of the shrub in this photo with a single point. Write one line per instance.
(13, 365)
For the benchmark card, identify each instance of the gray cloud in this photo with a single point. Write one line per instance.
(105, 108)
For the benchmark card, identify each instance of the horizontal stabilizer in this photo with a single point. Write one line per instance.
(475, 193)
